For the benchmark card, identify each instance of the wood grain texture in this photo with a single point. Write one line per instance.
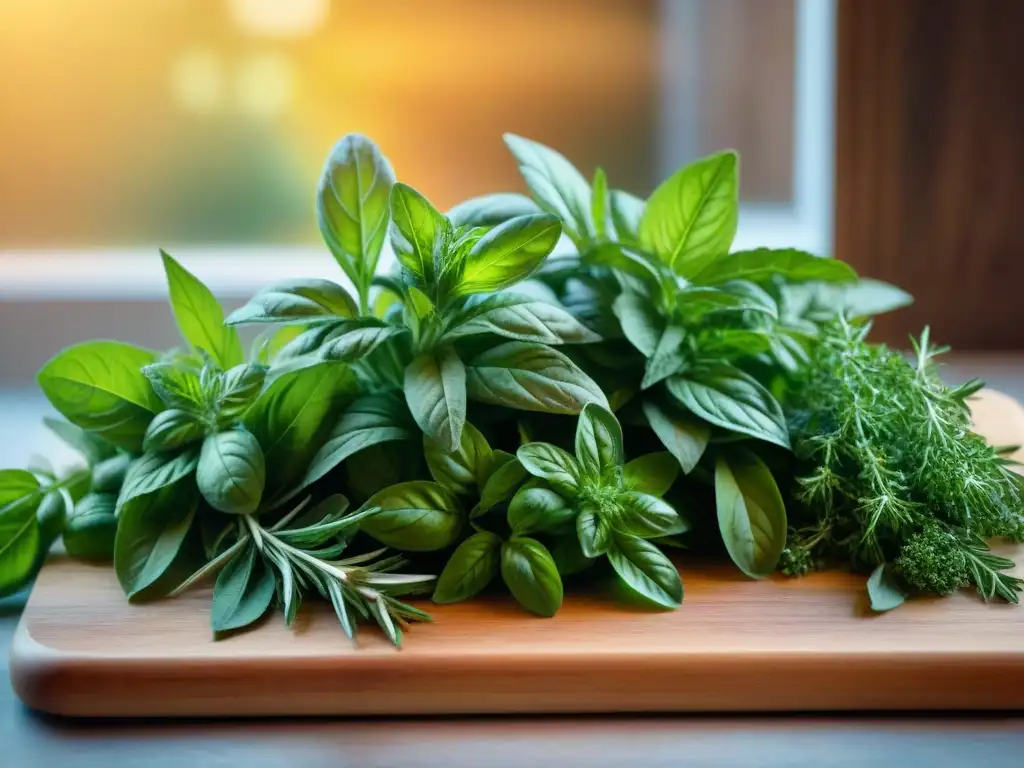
(736, 645)
(930, 162)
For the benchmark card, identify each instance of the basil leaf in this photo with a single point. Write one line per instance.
(508, 253)
(627, 212)
(153, 471)
(92, 448)
(471, 567)
(291, 418)
(243, 591)
(531, 377)
(695, 303)
(176, 385)
(457, 471)
(555, 184)
(415, 227)
(150, 531)
(884, 590)
(763, 264)
(729, 343)
(91, 531)
(108, 475)
(267, 346)
(646, 570)
(504, 475)
(751, 513)
(370, 420)
(598, 441)
(646, 516)
(296, 301)
(620, 257)
(421, 304)
(435, 391)
(729, 398)
(352, 205)
(593, 532)
(417, 516)
(200, 317)
(240, 387)
(652, 474)
(357, 343)
(99, 386)
(568, 556)
(683, 436)
(518, 317)
(639, 319)
(20, 539)
(534, 510)
(599, 204)
(312, 339)
(668, 358)
(491, 210)
(379, 466)
(531, 576)
(231, 472)
(690, 219)
(170, 430)
(551, 463)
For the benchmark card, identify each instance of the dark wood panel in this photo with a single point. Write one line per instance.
(930, 162)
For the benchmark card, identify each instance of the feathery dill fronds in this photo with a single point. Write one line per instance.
(892, 471)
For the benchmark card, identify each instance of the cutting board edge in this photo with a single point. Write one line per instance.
(88, 685)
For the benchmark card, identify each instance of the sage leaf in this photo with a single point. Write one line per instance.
(668, 358)
(646, 516)
(683, 435)
(599, 447)
(491, 210)
(435, 391)
(884, 590)
(358, 342)
(99, 386)
(415, 228)
(627, 212)
(751, 513)
(231, 472)
(416, 516)
(531, 377)
(763, 264)
(551, 463)
(369, 420)
(651, 474)
(531, 576)
(646, 570)
(690, 219)
(472, 566)
(556, 184)
(509, 253)
(92, 448)
(729, 398)
(352, 205)
(243, 591)
(170, 430)
(535, 510)
(593, 532)
(640, 322)
(200, 317)
(298, 300)
(457, 471)
(153, 471)
(90, 532)
(518, 317)
(150, 531)
(293, 415)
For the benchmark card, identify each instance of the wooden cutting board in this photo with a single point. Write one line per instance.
(735, 645)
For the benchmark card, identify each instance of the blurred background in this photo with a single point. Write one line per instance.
(886, 132)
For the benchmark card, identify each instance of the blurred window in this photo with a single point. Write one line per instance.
(201, 125)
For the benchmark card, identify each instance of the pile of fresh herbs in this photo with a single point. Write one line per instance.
(487, 409)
